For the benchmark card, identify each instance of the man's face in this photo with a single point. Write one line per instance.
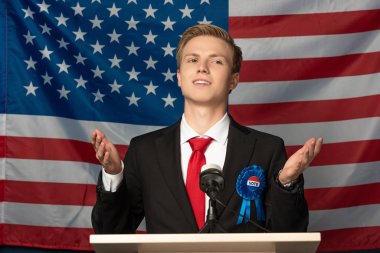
(205, 75)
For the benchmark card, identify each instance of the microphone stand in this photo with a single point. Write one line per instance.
(212, 222)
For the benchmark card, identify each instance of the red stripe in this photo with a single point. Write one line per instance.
(47, 237)
(310, 68)
(49, 193)
(2, 146)
(53, 149)
(344, 152)
(306, 111)
(326, 198)
(350, 239)
(304, 24)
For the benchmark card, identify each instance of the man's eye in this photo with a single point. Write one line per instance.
(191, 60)
(218, 61)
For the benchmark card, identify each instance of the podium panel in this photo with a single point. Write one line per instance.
(210, 243)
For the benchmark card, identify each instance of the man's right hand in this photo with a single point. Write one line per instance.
(106, 152)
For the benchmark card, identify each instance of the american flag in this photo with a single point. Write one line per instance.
(311, 68)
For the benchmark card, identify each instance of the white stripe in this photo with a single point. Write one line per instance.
(342, 175)
(47, 215)
(283, 7)
(306, 90)
(358, 216)
(51, 171)
(331, 132)
(309, 46)
(55, 127)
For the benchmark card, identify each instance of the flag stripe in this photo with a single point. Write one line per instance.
(342, 175)
(274, 7)
(307, 111)
(310, 68)
(306, 90)
(47, 215)
(54, 149)
(344, 152)
(58, 237)
(326, 198)
(48, 193)
(309, 46)
(352, 238)
(349, 217)
(304, 24)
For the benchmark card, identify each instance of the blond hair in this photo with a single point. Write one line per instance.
(210, 30)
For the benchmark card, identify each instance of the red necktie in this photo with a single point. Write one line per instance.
(197, 160)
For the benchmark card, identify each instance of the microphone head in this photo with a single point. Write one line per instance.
(211, 180)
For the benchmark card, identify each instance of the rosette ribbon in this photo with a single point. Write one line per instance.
(250, 185)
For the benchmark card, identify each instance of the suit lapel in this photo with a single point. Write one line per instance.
(240, 149)
(168, 153)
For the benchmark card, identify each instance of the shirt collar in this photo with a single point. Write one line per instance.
(219, 131)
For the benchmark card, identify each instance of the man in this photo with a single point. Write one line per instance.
(152, 182)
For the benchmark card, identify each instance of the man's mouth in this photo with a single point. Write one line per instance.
(201, 82)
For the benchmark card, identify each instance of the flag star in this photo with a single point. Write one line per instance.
(46, 53)
(63, 93)
(132, 1)
(114, 10)
(114, 36)
(150, 12)
(28, 13)
(169, 1)
(168, 50)
(133, 74)
(115, 61)
(97, 72)
(133, 99)
(30, 63)
(97, 47)
(45, 29)
(150, 63)
(63, 67)
(30, 89)
(62, 43)
(186, 12)
(150, 37)
(205, 1)
(115, 87)
(44, 7)
(132, 23)
(169, 101)
(80, 58)
(29, 38)
(78, 10)
(204, 21)
(169, 75)
(61, 20)
(79, 35)
(151, 88)
(81, 82)
(168, 24)
(96, 22)
(47, 78)
(93, 1)
(132, 49)
(98, 96)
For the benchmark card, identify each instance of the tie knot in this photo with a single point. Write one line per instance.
(200, 144)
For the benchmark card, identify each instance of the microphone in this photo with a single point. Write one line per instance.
(211, 180)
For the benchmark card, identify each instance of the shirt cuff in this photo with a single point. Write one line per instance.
(111, 182)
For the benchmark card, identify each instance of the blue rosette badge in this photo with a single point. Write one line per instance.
(250, 185)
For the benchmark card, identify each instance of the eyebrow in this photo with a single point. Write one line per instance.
(210, 56)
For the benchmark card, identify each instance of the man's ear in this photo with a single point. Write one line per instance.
(234, 81)
(179, 78)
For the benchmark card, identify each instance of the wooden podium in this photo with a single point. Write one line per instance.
(201, 243)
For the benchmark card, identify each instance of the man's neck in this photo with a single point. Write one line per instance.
(202, 119)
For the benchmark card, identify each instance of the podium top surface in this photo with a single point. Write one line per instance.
(236, 242)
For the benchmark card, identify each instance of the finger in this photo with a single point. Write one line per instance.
(318, 146)
(100, 152)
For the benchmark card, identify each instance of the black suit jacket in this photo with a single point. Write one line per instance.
(153, 186)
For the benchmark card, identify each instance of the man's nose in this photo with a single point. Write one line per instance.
(202, 67)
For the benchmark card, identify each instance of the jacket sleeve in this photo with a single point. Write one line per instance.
(121, 211)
